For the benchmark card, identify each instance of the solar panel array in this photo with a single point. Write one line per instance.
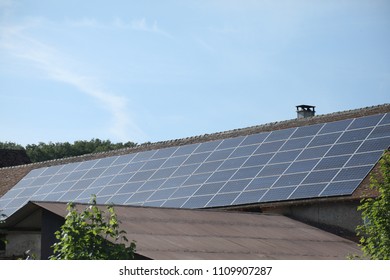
(320, 160)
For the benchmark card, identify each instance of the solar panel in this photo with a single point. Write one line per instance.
(311, 161)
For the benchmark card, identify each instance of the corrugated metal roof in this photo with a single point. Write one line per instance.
(164, 233)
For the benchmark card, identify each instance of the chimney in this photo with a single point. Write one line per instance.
(305, 111)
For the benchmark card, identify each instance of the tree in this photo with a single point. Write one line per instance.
(10, 146)
(375, 232)
(84, 236)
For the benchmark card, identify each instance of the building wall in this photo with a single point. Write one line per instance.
(50, 224)
(340, 217)
(19, 242)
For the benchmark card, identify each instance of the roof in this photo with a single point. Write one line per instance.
(165, 233)
(11, 176)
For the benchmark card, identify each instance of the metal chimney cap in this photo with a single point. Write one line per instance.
(306, 107)
(305, 111)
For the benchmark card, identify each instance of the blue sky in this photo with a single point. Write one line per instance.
(159, 70)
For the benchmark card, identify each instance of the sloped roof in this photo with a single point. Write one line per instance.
(165, 233)
(11, 176)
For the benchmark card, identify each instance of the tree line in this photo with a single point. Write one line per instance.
(48, 151)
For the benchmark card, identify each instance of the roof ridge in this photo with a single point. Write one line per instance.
(278, 125)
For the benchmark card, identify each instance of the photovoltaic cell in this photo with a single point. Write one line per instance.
(302, 166)
(353, 173)
(174, 203)
(105, 162)
(51, 171)
(335, 126)
(151, 185)
(296, 163)
(163, 173)
(208, 166)
(273, 169)
(365, 122)
(235, 186)
(307, 130)
(320, 176)
(197, 179)
(343, 149)
(185, 191)
(230, 143)
(128, 188)
(210, 188)
(385, 119)
(262, 183)
(379, 131)
(290, 180)
(244, 151)
(280, 134)
(325, 139)
(220, 155)
(174, 161)
(143, 156)
(249, 197)
(221, 176)
(379, 144)
(277, 194)
(196, 158)
(164, 153)
(294, 144)
(340, 188)
(255, 139)
(197, 201)
(207, 146)
(158, 203)
(86, 165)
(332, 162)
(244, 173)
(222, 199)
(111, 190)
(185, 150)
(269, 147)
(288, 156)
(312, 153)
(354, 135)
(139, 197)
(232, 163)
(162, 194)
(173, 182)
(258, 160)
(307, 191)
(369, 158)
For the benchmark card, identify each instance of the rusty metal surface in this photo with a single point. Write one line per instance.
(164, 233)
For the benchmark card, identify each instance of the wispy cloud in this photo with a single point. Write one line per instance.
(223, 30)
(204, 45)
(85, 22)
(51, 62)
(141, 24)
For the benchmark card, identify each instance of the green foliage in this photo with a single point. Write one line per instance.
(84, 236)
(10, 146)
(43, 151)
(375, 232)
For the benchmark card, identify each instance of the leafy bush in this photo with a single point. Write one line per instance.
(91, 235)
(375, 232)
